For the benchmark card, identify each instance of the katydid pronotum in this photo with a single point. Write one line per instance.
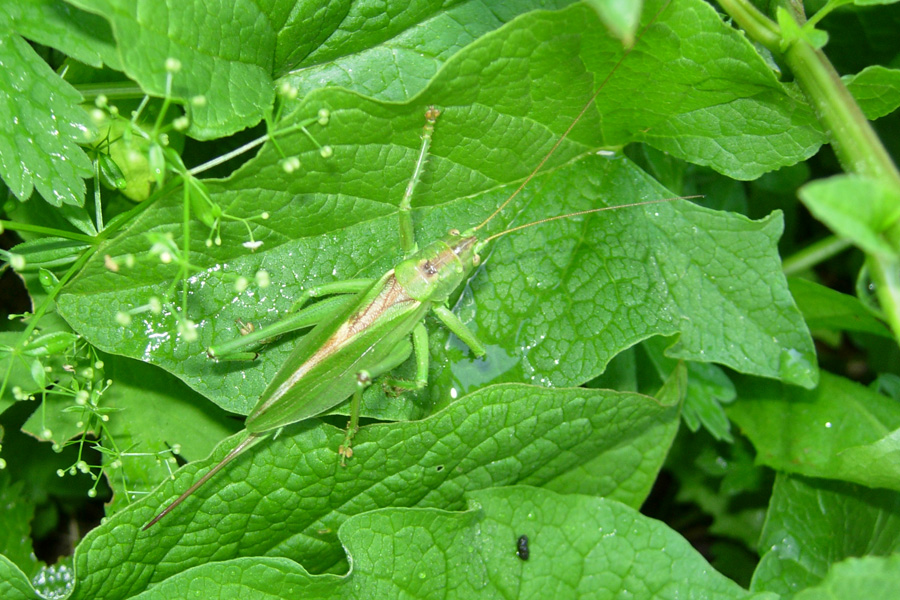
(371, 327)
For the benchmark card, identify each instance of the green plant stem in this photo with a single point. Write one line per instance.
(69, 235)
(814, 254)
(757, 25)
(186, 236)
(98, 206)
(123, 90)
(859, 151)
(254, 143)
(885, 274)
(854, 141)
(824, 12)
(228, 155)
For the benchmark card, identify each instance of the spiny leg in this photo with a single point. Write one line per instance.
(236, 348)
(394, 358)
(459, 328)
(397, 356)
(363, 380)
(420, 348)
(345, 286)
(407, 235)
(297, 318)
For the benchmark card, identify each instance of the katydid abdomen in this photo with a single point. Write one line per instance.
(369, 335)
(323, 368)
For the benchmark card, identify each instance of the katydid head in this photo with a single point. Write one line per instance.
(434, 272)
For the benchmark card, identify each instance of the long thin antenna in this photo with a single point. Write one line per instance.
(231, 456)
(576, 120)
(587, 212)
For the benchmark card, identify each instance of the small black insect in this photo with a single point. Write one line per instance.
(522, 550)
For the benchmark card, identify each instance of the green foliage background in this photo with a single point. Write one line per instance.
(653, 352)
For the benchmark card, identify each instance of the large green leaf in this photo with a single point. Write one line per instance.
(81, 35)
(396, 61)
(814, 524)
(832, 200)
(14, 585)
(40, 126)
(232, 52)
(876, 89)
(287, 497)
(826, 309)
(840, 430)
(426, 553)
(553, 303)
(876, 577)
(225, 50)
(15, 525)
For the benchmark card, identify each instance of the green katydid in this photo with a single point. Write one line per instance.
(372, 326)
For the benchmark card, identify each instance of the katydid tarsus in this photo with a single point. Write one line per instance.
(369, 327)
